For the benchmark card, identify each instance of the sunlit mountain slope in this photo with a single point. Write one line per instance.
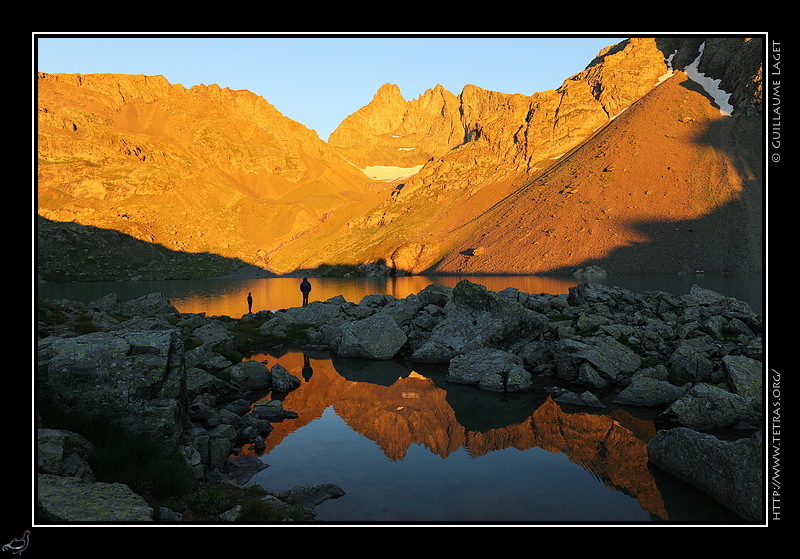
(626, 166)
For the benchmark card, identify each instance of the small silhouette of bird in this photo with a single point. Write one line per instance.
(18, 545)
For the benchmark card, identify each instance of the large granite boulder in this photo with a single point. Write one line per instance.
(475, 318)
(745, 376)
(375, 337)
(63, 453)
(133, 379)
(731, 472)
(706, 406)
(282, 380)
(612, 360)
(490, 369)
(71, 499)
(644, 391)
(249, 375)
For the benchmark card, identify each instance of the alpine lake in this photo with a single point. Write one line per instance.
(408, 447)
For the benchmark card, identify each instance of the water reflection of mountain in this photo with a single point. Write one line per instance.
(397, 407)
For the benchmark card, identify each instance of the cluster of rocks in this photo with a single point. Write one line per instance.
(151, 372)
(695, 359)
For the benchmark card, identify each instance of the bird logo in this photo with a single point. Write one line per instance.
(18, 545)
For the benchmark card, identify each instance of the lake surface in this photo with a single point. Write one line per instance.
(408, 447)
(217, 297)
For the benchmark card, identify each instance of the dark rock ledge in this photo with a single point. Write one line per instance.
(694, 360)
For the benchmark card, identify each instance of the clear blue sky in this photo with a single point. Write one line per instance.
(318, 81)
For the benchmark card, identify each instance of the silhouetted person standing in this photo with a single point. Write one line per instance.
(305, 289)
(249, 303)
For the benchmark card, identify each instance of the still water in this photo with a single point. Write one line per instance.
(406, 446)
(217, 297)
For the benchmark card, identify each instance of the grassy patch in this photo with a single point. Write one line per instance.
(206, 502)
(85, 325)
(144, 465)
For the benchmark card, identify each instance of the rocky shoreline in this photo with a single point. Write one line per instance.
(694, 361)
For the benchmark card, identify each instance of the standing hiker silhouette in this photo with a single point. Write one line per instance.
(305, 289)
(249, 303)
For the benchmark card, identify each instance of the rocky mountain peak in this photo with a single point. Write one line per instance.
(478, 181)
(391, 132)
(511, 139)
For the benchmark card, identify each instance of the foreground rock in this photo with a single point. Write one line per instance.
(729, 471)
(490, 369)
(70, 499)
(155, 377)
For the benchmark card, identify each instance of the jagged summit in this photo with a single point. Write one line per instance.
(391, 132)
(629, 164)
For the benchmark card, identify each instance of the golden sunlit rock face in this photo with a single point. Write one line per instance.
(198, 170)
(627, 165)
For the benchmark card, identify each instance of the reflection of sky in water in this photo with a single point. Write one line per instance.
(400, 448)
(505, 485)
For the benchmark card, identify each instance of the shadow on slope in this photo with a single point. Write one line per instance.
(668, 186)
(730, 238)
(67, 252)
(713, 243)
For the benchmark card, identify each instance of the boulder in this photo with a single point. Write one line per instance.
(70, 499)
(649, 392)
(204, 357)
(318, 313)
(63, 453)
(309, 496)
(590, 273)
(588, 376)
(598, 293)
(151, 305)
(272, 410)
(403, 311)
(216, 335)
(134, 379)
(435, 294)
(242, 468)
(214, 445)
(584, 399)
(745, 377)
(375, 337)
(703, 296)
(282, 380)
(706, 406)
(199, 381)
(280, 326)
(475, 318)
(691, 362)
(611, 359)
(731, 472)
(490, 369)
(249, 375)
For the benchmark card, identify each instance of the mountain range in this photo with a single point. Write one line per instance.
(650, 160)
